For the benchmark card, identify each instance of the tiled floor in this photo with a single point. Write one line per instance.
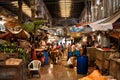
(57, 72)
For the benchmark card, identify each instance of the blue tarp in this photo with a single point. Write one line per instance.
(76, 29)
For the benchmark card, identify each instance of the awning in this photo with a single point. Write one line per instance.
(21, 34)
(102, 27)
(12, 23)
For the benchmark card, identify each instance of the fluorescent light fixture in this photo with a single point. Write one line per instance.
(65, 7)
(98, 2)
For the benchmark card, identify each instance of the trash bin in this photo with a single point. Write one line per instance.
(45, 53)
(82, 64)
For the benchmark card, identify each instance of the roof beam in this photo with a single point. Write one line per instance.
(7, 0)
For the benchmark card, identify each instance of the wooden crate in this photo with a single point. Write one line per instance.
(11, 71)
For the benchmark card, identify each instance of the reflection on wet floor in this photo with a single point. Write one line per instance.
(57, 72)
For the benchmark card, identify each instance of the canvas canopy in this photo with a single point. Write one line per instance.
(21, 34)
(102, 27)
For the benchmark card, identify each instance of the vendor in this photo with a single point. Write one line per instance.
(40, 57)
(105, 40)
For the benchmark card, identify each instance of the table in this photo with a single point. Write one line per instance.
(39, 49)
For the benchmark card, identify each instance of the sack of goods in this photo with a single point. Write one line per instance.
(95, 75)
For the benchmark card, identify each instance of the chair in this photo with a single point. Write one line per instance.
(34, 67)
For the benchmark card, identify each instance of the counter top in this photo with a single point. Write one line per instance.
(39, 49)
(105, 49)
(11, 61)
(116, 59)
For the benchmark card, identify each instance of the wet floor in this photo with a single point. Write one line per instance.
(57, 72)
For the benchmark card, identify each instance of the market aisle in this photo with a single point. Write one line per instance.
(57, 72)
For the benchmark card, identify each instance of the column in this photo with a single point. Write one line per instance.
(92, 11)
(20, 11)
(33, 11)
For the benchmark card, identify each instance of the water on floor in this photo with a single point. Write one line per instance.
(57, 72)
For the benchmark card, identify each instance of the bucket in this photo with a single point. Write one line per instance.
(82, 64)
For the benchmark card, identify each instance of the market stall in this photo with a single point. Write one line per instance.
(103, 59)
(91, 51)
(12, 69)
(114, 69)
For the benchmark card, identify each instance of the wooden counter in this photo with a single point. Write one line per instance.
(115, 68)
(102, 59)
(91, 53)
(12, 69)
(39, 49)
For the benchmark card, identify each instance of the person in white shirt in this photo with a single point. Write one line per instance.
(73, 47)
(72, 62)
